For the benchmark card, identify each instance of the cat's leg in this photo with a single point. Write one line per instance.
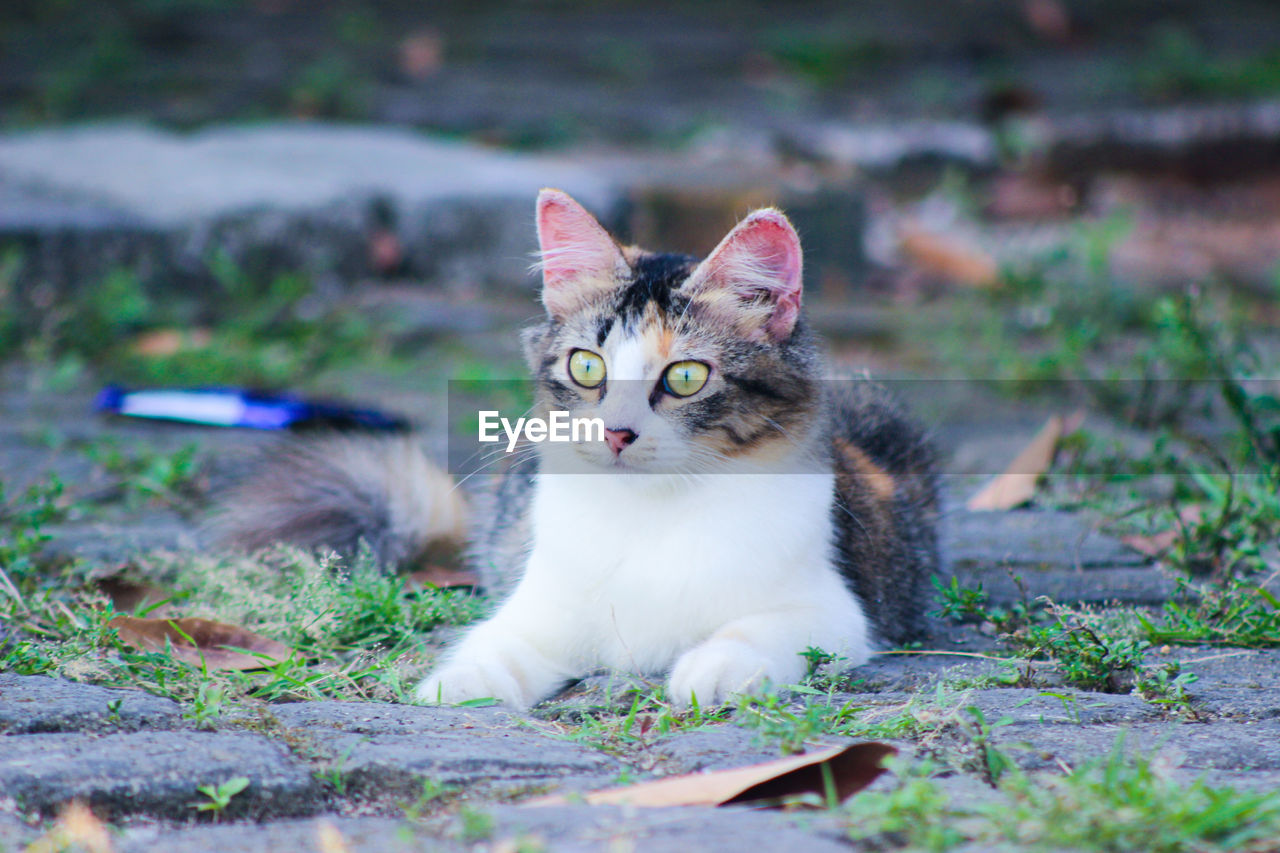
(498, 659)
(745, 652)
(517, 656)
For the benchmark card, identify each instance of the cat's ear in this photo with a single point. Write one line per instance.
(579, 259)
(753, 278)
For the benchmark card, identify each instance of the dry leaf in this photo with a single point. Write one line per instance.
(1017, 485)
(1156, 544)
(1049, 18)
(329, 839)
(163, 342)
(386, 252)
(421, 54)
(77, 827)
(1019, 195)
(948, 258)
(1151, 546)
(852, 768)
(215, 642)
(442, 577)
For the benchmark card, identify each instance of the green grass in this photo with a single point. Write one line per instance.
(357, 632)
(140, 474)
(648, 717)
(1120, 802)
(792, 716)
(256, 332)
(1176, 63)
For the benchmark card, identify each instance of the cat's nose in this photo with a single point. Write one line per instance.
(619, 438)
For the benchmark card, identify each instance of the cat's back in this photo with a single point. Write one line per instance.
(885, 509)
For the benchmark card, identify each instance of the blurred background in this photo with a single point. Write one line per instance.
(1075, 201)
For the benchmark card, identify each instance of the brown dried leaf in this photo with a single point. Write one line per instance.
(76, 828)
(1151, 546)
(852, 768)
(1156, 544)
(1049, 18)
(948, 258)
(1017, 484)
(1019, 195)
(421, 54)
(215, 643)
(164, 342)
(329, 839)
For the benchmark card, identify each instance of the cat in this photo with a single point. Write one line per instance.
(741, 509)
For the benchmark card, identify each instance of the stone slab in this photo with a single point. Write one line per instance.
(392, 748)
(357, 835)
(1232, 746)
(714, 748)
(1023, 707)
(154, 773)
(1031, 538)
(164, 179)
(1122, 584)
(572, 829)
(274, 198)
(37, 703)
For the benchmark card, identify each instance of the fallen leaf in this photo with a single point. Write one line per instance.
(1156, 544)
(1017, 484)
(442, 577)
(215, 643)
(329, 839)
(162, 342)
(77, 827)
(1049, 18)
(948, 258)
(386, 253)
(852, 768)
(1019, 195)
(421, 54)
(1151, 546)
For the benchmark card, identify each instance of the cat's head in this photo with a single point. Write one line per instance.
(692, 365)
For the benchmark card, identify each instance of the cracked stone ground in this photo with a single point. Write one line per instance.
(386, 776)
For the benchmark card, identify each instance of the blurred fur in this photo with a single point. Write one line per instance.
(338, 491)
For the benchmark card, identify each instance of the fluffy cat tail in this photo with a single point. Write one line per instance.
(337, 491)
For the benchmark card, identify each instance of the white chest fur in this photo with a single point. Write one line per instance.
(640, 574)
(723, 580)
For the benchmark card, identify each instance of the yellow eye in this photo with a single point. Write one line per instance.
(685, 378)
(586, 368)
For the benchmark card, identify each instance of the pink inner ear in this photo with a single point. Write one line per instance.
(762, 257)
(573, 244)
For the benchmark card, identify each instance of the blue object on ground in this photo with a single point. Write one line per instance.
(232, 407)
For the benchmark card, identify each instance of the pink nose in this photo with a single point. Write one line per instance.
(619, 438)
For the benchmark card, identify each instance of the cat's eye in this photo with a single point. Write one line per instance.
(586, 368)
(685, 378)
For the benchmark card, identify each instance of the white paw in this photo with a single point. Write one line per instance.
(464, 680)
(719, 668)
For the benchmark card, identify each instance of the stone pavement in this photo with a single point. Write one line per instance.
(329, 769)
(355, 768)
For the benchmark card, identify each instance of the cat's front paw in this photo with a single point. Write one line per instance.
(717, 669)
(464, 680)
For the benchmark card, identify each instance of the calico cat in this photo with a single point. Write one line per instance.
(740, 509)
